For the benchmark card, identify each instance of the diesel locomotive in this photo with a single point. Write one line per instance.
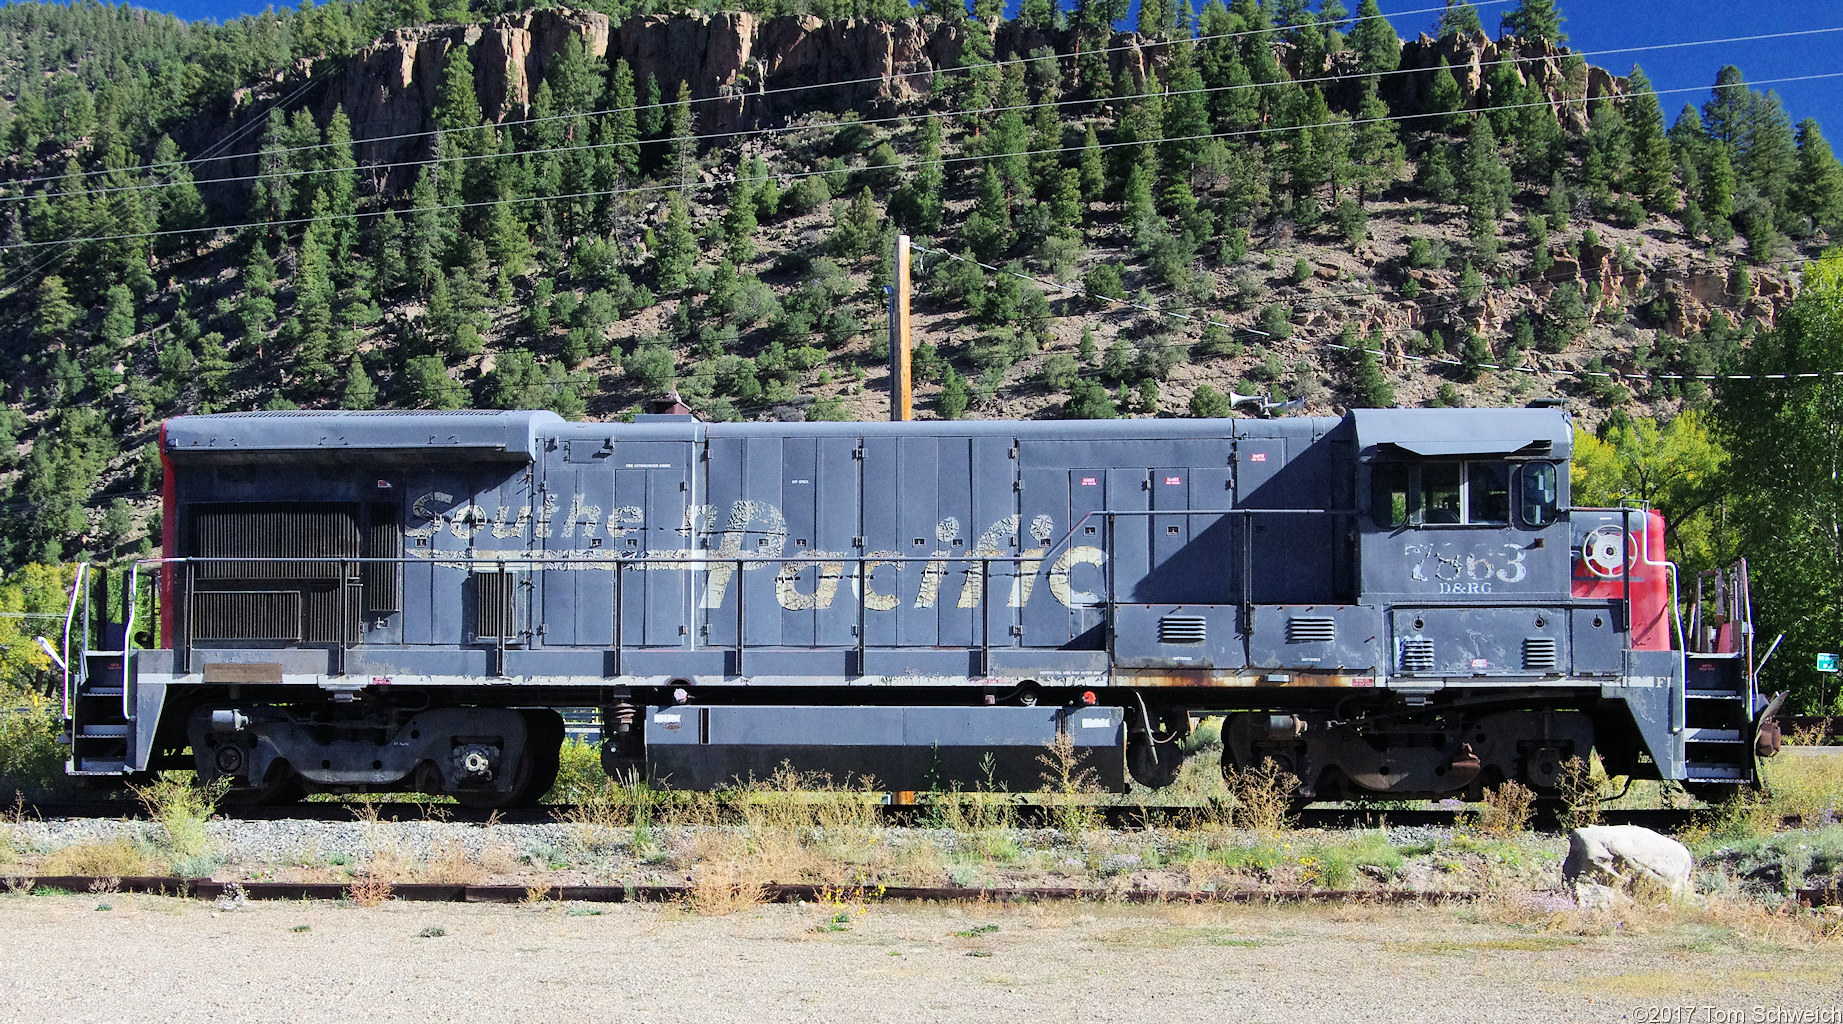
(1400, 603)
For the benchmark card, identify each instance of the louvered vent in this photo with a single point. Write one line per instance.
(494, 598)
(1417, 654)
(1540, 654)
(1182, 629)
(322, 613)
(278, 536)
(1311, 629)
(383, 539)
(247, 615)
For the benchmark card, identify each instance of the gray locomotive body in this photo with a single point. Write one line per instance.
(1393, 602)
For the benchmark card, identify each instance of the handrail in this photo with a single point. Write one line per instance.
(76, 588)
(1680, 708)
(128, 609)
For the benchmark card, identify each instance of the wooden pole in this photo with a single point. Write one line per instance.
(901, 399)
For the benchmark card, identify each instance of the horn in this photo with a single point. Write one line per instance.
(1240, 399)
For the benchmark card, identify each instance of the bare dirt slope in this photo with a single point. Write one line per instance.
(153, 959)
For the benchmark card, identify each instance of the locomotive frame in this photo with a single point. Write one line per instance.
(1393, 602)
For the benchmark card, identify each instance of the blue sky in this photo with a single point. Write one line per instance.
(1605, 25)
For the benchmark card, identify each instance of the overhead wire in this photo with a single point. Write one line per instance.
(785, 130)
(894, 167)
(804, 87)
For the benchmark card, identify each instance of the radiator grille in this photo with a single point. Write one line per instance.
(280, 535)
(247, 615)
(1540, 654)
(1417, 654)
(1311, 629)
(1182, 629)
(383, 539)
(494, 596)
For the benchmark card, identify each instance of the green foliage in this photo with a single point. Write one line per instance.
(1783, 474)
(1089, 401)
(1206, 401)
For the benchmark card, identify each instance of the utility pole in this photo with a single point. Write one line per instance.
(901, 400)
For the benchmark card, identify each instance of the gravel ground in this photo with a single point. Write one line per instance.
(562, 854)
(174, 960)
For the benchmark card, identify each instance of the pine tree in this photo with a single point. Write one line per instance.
(1459, 18)
(1724, 116)
(677, 253)
(1444, 99)
(117, 316)
(181, 207)
(1817, 185)
(1535, 21)
(1651, 157)
(953, 399)
(623, 124)
(360, 392)
(1375, 152)
(457, 108)
(1377, 46)
(56, 314)
(684, 142)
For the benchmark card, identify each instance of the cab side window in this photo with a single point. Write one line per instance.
(1487, 486)
(1539, 497)
(1460, 493)
(1388, 494)
(1440, 498)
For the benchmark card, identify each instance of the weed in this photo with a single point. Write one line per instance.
(1804, 784)
(723, 888)
(1262, 795)
(302, 928)
(452, 866)
(1581, 783)
(105, 906)
(108, 858)
(369, 892)
(1506, 811)
(433, 931)
(182, 808)
(1068, 786)
(537, 894)
(583, 912)
(975, 931)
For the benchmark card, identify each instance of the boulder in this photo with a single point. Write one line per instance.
(1605, 861)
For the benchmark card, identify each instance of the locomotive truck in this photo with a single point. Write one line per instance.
(1399, 603)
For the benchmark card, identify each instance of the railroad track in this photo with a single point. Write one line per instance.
(1125, 818)
(436, 892)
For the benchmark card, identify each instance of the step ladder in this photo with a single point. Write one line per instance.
(1718, 719)
(98, 708)
(1719, 699)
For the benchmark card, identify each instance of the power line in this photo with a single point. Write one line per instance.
(898, 166)
(743, 133)
(868, 80)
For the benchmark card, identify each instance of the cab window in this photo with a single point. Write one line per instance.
(1539, 495)
(1388, 494)
(1457, 494)
(1487, 486)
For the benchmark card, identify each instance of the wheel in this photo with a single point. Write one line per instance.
(536, 769)
(282, 785)
(1147, 772)
(491, 798)
(544, 733)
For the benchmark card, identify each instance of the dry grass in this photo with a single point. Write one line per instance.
(723, 887)
(1262, 795)
(1804, 782)
(112, 858)
(182, 808)
(1582, 783)
(1506, 811)
(369, 892)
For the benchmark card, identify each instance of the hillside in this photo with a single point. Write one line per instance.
(354, 206)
